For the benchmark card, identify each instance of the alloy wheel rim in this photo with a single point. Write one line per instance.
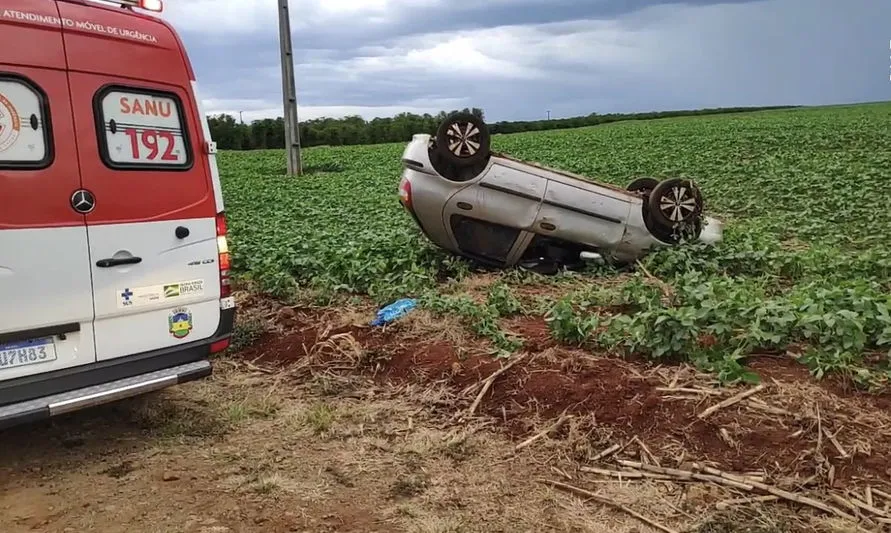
(463, 139)
(678, 204)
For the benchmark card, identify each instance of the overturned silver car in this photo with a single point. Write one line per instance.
(500, 211)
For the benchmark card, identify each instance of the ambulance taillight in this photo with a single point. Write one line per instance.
(155, 6)
(152, 5)
(223, 251)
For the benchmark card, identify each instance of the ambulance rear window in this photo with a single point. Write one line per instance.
(142, 130)
(24, 132)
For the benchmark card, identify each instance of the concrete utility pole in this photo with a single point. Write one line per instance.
(289, 93)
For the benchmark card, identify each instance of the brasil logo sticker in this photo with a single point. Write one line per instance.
(171, 291)
(180, 322)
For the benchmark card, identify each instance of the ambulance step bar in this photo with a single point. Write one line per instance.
(66, 402)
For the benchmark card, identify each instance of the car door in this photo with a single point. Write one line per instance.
(153, 235)
(46, 303)
(583, 213)
(490, 217)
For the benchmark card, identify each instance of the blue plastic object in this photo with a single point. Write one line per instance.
(394, 311)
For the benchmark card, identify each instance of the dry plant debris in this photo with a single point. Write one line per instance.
(788, 440)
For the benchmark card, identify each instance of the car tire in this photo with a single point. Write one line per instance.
(463, 140)
(670, 235)
(644, 185)
(675, 203)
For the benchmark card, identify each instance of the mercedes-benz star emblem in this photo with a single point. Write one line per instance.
(82, 201)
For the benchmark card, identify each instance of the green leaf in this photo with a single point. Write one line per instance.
(750, 377)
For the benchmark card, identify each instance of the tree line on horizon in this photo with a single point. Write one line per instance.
(230, 134)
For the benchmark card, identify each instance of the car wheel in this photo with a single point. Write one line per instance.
(675, 203)
(644, 185)
(670, 235)
(463, 140)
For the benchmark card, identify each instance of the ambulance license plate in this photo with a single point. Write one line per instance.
(30, 352)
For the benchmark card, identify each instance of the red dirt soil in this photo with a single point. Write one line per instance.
(787, 369)
(534, 330)
(610, 393)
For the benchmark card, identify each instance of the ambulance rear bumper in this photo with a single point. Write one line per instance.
(66, 402)
(43, 395)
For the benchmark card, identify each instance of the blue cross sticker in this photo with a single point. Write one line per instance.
(126, 295)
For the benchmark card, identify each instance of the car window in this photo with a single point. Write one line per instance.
(142, 129)
(483, 238)
(24, 125)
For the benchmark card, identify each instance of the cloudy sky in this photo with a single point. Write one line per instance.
(517, 59)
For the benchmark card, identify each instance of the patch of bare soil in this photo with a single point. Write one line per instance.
(796, 432)
(534, 331)
(323, 424)
(249, 451)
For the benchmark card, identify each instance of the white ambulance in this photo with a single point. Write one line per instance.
(114, 266)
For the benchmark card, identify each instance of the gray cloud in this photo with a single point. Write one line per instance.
(457, 16)
(518, 59)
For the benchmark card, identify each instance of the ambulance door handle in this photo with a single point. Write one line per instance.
(107, 263)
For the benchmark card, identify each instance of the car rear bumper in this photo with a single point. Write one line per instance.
(43, 395)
